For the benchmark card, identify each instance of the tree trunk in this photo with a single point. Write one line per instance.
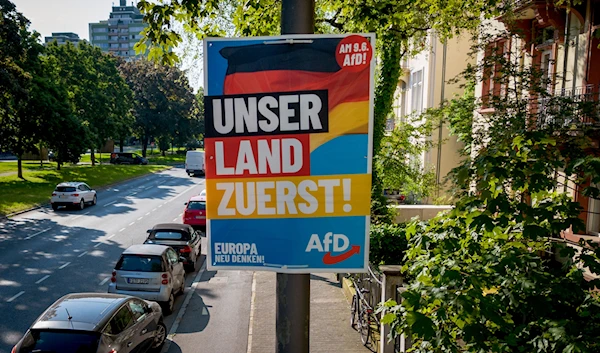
(58, 164)
(41, 160)
(163, 153)
(19, 168)
(144, 145)
(121, 145)
(93, 157)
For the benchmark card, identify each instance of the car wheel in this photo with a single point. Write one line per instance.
(159, 337)
(81, 204)
(191, 266)
(169, 304)
(94, 200)
(54, 207)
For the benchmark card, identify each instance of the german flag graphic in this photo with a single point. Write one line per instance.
(282, 67)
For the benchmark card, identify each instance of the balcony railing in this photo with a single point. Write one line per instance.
(570, 108)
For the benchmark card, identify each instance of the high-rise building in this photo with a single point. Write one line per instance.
(120, 32)
(62, 38)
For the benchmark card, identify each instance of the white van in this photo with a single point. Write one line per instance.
(194, 163)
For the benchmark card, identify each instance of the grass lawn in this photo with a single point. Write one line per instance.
(38, 185)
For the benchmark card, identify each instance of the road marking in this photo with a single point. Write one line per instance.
(159, 206)
(110, 203)
(183, 308)
(154, 209)
(97, 245)
(65, 265)
(104, 281)
(175, 219)
(42, 279)
(133, 193)
(110, 236)
(132, 223)
(74, 218)
(122, 229)
(147, 214)
(180, 215)
(139, 219)
(186, 190)
(82, 254)
(15, 296)
(149, 187)
(252, 299)
(38, 233)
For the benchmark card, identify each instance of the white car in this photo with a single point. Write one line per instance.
(194, 163)
(73, 194)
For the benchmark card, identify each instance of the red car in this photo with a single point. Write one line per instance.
(195, 211)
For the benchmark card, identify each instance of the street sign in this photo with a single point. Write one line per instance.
(288, 141)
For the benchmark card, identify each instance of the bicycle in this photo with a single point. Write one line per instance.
(361, 314)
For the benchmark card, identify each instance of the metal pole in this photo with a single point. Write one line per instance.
(293, 290)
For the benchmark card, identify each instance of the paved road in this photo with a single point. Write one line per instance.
(46, 254)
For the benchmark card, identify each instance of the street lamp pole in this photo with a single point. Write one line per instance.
(293, 290)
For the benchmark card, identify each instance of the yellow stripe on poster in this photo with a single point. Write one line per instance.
(289, 197)
(344, 119)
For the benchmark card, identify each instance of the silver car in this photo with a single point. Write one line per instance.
(73, 194)
(152, 272)
(96, 323)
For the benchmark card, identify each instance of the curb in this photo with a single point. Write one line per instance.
(104, 187)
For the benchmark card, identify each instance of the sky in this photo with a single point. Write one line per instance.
(49, 16)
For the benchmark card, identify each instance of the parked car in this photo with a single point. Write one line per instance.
(194, 163)
(195, 212)
(127, 158)
(73, 194)
(96, 323)
(181, 237)
(151, 272)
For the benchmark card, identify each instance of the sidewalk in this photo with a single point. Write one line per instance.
(330, 329)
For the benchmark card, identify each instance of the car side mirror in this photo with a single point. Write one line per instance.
(148, 310)
(181, 259)
(149, 230)
(185, 203)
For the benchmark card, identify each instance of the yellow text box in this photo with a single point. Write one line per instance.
(289, 197)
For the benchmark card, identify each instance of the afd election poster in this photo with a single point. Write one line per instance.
(289, 124)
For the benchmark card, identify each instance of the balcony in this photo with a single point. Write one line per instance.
(570, 109)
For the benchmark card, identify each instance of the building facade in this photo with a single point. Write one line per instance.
(563, 45)
(62, 38)
(425, 84)
(119, 34)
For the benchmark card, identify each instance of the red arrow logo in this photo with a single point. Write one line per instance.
(329, 259)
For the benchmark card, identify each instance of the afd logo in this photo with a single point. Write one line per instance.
(337, 243)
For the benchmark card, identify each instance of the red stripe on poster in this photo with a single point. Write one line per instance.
(258, 156)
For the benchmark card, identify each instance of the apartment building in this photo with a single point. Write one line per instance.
(563, 43)
(62, 38)
(119, 34)
(424, 84)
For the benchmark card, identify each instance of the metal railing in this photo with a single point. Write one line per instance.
(570, 108)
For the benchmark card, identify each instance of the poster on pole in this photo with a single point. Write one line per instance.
(288, 150)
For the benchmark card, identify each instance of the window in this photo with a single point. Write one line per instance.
(493, 85)
(122, 320)
(100, 37)
(547, 67)
(65, 189)
(66, 341)
(196, 205)
(173, 258)
(416, 85)
(138, 308)
(593, 220)
(169, 235)
(140, 263)
(100, 30)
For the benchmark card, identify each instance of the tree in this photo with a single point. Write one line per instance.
(99, 94)
(18, 54)
(482, 281)
(163, 102)
(401, 28)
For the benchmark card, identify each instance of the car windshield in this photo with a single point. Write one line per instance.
(169, 235)
(197, 205)
(67, 341)
(65, 189)
(140, 263)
